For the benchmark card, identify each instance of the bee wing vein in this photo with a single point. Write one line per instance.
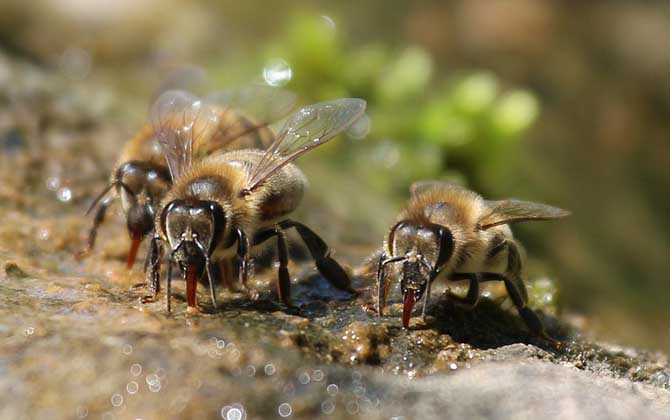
(308, 128)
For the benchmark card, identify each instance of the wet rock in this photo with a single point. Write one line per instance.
(361, 342)
(532, 389)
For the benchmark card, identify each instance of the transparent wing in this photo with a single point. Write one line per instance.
(179, 119)
(422, 186)
(308, 128)
(512, 211)
(245, 111)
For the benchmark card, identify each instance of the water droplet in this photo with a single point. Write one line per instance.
(155, 387)
(318, 375)
(269, 369)
(152, 379)
(285, 409)
(304, 378)
(220, 344)
(117, 400)
(453, 366)
(136, 369)
(64, 194)
(29, 331)
(44, 234)
(82, 412)
(127, 349)
(332, 390)
(250, 370)
(327, 407)
(277, 72)
(234, 412)
(132, 387)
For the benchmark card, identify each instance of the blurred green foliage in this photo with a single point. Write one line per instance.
(419, 122)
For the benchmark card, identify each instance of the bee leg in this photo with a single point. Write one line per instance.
(93, 232)
(327, 266)
(283, 278)
(243, 254)
(528, 315)
(426, 298)
(381, 285)
(226, 270)
(472, 298)
(514, 262)
(168, 286)
(153, 274)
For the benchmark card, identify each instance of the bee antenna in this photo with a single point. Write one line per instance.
(99, 197)
(106, 191)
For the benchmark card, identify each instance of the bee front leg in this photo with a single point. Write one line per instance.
(93, 232)
(153, 273)
(327, 266)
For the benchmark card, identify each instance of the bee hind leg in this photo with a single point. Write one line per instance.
(327, 266)
(530, 318)
(283, 276)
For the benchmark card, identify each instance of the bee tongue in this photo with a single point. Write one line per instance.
(135, 241)
(408, 306)
(191, 284)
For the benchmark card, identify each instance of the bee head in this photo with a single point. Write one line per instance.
(424, 249)
(140, 186)
(193, 229)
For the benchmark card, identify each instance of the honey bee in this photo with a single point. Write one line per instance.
(452, 233)
(231, 201)
(232, 119)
